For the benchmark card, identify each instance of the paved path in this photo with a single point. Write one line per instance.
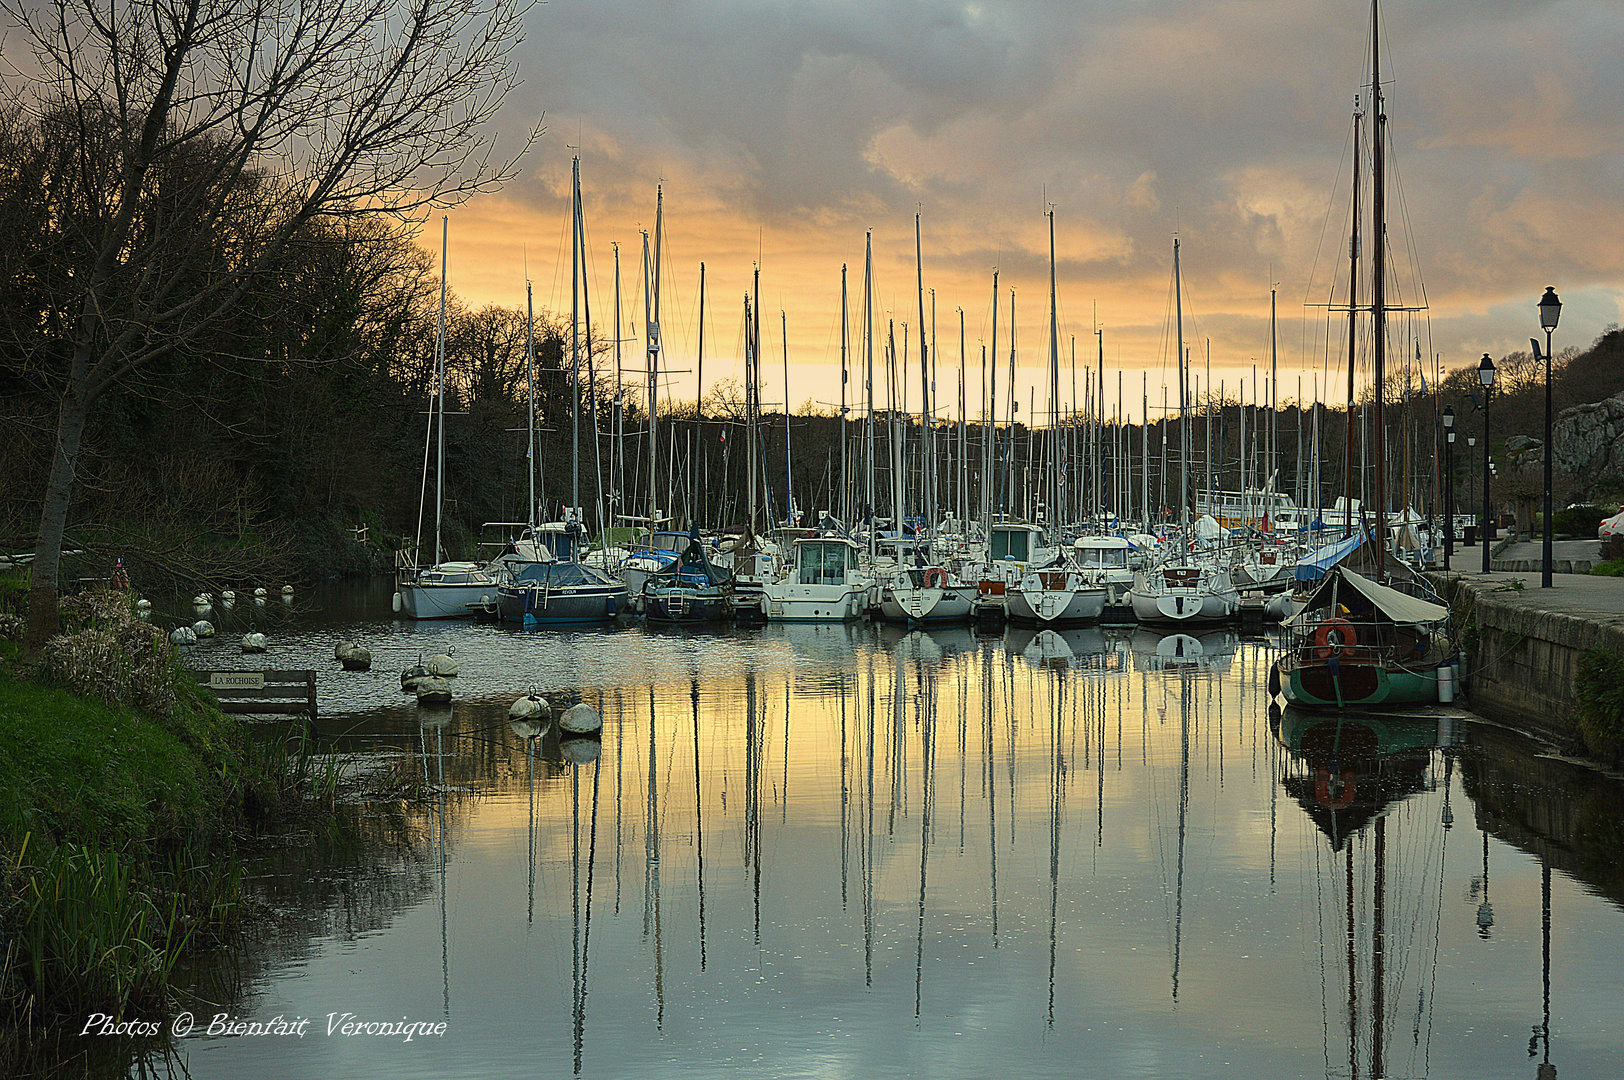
(1584, 596)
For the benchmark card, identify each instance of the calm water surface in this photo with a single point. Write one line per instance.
(863, 852)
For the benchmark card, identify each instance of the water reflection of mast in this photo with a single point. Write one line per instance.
(438, 721)
(1057, 771)
(990, 784)
(1184, 813)
(582, 929)
(699, 820)
(868, 839)
(651, 872)
(927, 747)
(752, 795)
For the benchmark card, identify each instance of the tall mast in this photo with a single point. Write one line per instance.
(989, 437)
(927, 498)
(1008, 497)
(699, 399)
(1378, 266)
(842, 505)
(439, 396)
(789, 487)
(1184, 438)
(1054, 385)
(575, 331)
(1353, 328)
(651, 310)
(617, 449)
(530, 384)
(868, 355)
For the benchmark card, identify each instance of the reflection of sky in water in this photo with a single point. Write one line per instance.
(1090, 817)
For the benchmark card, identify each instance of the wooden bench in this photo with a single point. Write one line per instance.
(263, 691)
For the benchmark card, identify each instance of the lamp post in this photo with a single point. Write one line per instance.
(1550, 309)
(1485, 375)
(1449, 484)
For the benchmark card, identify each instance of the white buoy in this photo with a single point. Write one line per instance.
(396, 601)
(183, 635)
(287, 590)
(143, 604)
(203, 628)
(228, 597)
(581, 719)
(253, 642)
(443, 666)
(1446, 683)
(261, 592)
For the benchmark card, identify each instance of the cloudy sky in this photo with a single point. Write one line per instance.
(784, 131)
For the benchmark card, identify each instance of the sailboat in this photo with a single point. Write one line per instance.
(1386, 639)
(552, 584)
(1191, 588)
(1060, 594)
(441, 590)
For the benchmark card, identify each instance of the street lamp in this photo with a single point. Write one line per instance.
(1449, 484)
(1550, 309)
(1485, 375)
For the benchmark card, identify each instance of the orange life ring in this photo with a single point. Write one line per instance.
(936, 578)
(1322, 790)
(1343, 641)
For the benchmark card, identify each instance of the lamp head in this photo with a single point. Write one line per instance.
(1471, 440)
(1550, 309)
(1449, 417)
(1485, 371)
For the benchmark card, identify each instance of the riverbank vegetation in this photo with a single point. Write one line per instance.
(124, 793)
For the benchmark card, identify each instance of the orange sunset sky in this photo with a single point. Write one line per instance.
(783, 132)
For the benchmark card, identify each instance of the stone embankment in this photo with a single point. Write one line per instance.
(1525, 643)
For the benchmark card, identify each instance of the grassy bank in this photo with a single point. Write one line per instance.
(123, 790)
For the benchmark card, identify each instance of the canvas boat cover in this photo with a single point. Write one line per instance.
(1401, 607)
(1313, 567)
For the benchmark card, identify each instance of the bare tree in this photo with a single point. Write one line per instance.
(202, 137)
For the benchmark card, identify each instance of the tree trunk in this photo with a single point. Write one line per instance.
(43, 618)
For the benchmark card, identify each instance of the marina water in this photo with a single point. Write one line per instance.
(857, 851)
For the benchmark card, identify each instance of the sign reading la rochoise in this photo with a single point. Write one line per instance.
(236, 680)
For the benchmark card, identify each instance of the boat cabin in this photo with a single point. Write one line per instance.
(1014, 543)
(824, 561)
(1101, 552)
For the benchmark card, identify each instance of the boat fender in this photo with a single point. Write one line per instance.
(1334, 636)
(936, 578)
(397, 601)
